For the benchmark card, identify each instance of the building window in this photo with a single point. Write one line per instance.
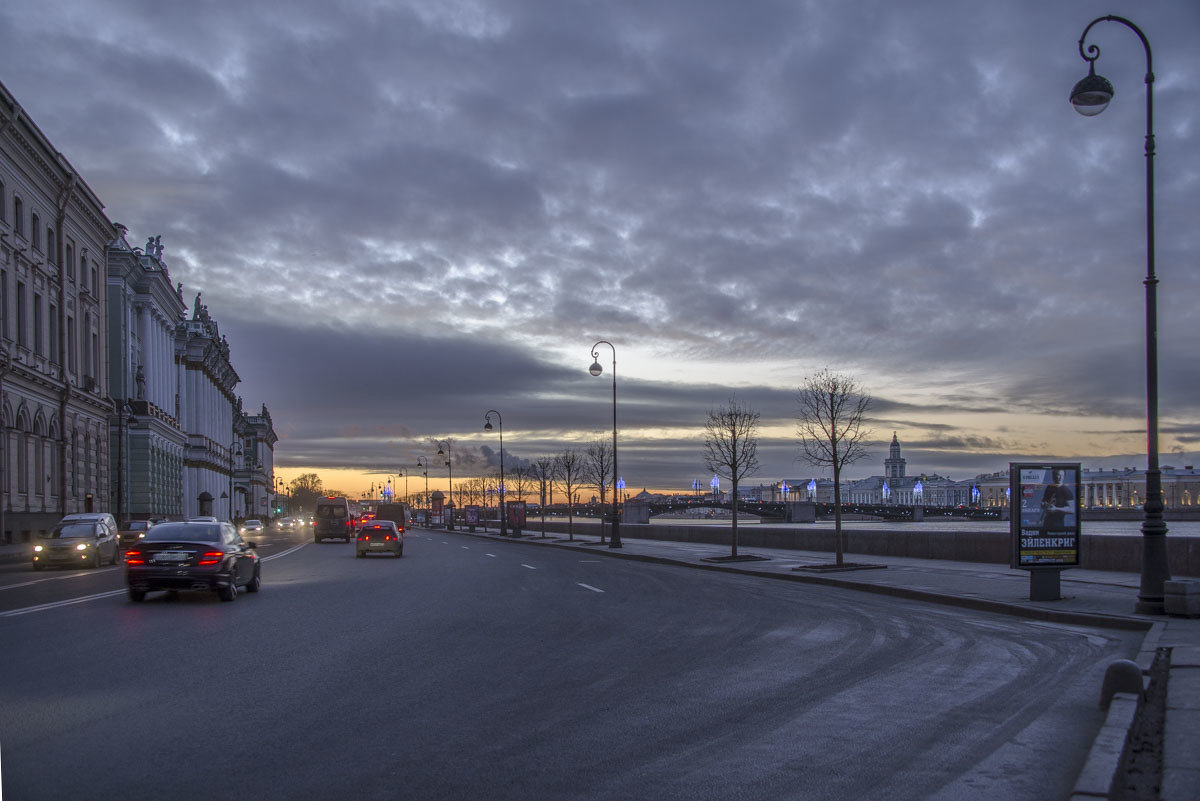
(37, 324)
(21, 313)
(50, 254)
(71, 343)
(95, 282)
(18, 215)
(4, 304)
(3, 207)
(53, 354)
(35, 224)
(70, 259)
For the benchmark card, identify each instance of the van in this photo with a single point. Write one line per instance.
(333, 518)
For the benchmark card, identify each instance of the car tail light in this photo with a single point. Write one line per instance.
(387, 537)
(211, 557)
(134, 558)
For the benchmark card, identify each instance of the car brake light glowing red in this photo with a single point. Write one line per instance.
(211, 557)
(134, 558)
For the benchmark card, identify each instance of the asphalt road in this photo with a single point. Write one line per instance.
(475, 669)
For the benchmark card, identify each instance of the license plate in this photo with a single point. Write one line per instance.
(378, 544)
(172, 556)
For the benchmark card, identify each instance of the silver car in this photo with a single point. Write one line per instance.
(380, 536)
(77, 543)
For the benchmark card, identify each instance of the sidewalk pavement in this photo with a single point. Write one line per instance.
(1089, 597)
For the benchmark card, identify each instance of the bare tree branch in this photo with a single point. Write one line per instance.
(731, 448)
(829, 423)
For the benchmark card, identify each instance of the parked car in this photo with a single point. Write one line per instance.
(252, 527)
(333, 519)
(203, 519)
(379, 536)
(77, 543)
(132, 530)
(196, 555)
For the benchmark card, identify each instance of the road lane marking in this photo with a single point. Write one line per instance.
(492, 555)
(57, 604)
(465, 547)
(531, 567)
(293, 549)
(589, 561)
(59, 578)
(589, 587)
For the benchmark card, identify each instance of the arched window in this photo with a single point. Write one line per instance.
(18, 215)
(35, 233)
(50, 250)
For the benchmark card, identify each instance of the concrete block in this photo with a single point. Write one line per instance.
(1097, 775)
(1182, 597)
(1185, 656)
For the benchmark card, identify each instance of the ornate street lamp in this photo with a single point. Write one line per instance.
(1090, 97)
(450, 470)
(425, 470)
(487, 426)
(235, 452)
(596, 370)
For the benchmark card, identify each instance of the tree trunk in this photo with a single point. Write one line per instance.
(735, 511)
(837, 511)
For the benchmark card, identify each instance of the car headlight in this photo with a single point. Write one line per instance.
(141, 534)
(37, 549)
(83, 546)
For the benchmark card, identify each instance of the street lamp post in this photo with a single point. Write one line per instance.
(425, 469)
(450, 470)
(235, 451)
(487, 426)
(1090, 97)
(596, 370)
(405, 474)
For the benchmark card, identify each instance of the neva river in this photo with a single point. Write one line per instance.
(1189, 528)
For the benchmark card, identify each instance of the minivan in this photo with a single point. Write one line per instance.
(333, 519)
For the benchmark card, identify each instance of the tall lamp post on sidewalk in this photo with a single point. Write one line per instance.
(487, 426)
(235, 451)
(1090, 97)
(596, 370)
(425, 469)
(450, 470)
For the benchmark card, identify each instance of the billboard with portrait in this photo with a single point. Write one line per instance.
(1044, 506)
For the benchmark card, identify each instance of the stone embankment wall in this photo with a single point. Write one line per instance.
(1100, 551)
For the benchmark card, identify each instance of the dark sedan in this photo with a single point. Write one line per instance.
(210, 557)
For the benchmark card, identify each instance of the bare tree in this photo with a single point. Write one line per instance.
(597, 470)
(832, 408)
(731, 448)
(543, 472)
(570, 469)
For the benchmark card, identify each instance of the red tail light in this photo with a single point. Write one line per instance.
(387, 537)
(134, 558)
(211, 557)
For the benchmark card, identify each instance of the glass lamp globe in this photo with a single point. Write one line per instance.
(1092, 94)
(596, 369)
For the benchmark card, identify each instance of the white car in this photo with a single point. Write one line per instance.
(252, 527)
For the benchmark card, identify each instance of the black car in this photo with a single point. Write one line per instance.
(194, 555)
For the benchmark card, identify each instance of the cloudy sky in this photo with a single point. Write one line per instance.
(404, 214)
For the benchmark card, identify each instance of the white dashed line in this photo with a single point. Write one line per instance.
(465, 547)
(531, 567)
(492, 555)
(589, 587)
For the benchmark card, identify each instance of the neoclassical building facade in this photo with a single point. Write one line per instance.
(54, 398)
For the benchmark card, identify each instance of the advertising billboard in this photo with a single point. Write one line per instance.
(1044, 506)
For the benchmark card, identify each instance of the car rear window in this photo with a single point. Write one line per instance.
(331, 511)
(171, 532)
(135, 525)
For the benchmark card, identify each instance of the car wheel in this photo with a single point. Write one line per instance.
(137, 596)
(255, 581)
(360, 554)
(317, 540)
(400, 552)
(230, 592)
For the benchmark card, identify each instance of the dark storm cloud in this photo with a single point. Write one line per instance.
(433, 197)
